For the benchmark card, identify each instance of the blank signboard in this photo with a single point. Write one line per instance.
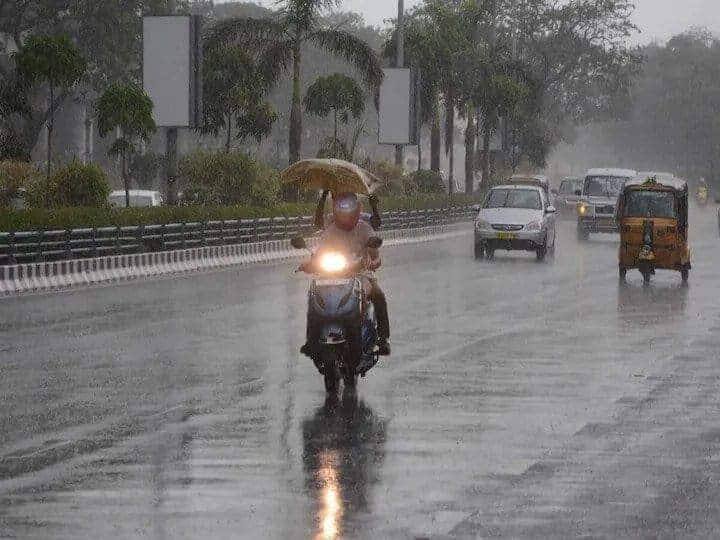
(397, 108)
(168, 70)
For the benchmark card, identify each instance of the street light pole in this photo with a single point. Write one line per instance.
(400, 63)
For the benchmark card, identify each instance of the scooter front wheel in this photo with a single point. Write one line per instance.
(330, 371)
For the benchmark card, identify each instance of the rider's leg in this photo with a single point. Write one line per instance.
(377, 297)
(311, 335)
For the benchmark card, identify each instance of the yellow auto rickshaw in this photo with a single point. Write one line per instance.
(653, 217)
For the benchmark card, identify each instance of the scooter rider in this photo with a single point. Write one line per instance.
(346, 229)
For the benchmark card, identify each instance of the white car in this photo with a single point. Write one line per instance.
(139, 198)
(515, 217)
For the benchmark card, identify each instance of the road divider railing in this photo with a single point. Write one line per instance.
(57, 275)
(56, 245)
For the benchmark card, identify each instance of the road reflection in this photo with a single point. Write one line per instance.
(643, 305)
(344, 447)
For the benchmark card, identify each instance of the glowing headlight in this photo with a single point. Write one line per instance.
(333, 263)
(533, 226)
(582, 209)
(482, 225)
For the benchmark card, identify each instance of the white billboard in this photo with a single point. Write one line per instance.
(397, 112)
(171, 69)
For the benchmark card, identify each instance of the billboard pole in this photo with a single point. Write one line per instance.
(400, 63)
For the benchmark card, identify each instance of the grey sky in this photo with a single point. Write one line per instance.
(658, 19)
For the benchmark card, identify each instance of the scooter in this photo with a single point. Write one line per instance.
(346, 345)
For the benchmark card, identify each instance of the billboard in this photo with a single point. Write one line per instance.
(397, 113)
(172, 69)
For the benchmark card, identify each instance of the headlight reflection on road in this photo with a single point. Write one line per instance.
(331, 509)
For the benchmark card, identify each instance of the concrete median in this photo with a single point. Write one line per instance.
(52, 276)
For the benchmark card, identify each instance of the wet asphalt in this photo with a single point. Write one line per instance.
(523, 400)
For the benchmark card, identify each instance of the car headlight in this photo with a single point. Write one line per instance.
(534, 226)
(482, 225)
(332, 263)
(583, 209)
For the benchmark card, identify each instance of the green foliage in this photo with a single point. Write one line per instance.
(234, 90)
(234, 178)
(282, 41)
(62, 218)
(672, 123)
(52, 59)
(129, 108)
(335, 93)
(15, 176)
(76, 184)
(144, 168)
(424, 182)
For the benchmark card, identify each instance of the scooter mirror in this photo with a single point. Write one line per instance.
(298, 243)
(375, 242)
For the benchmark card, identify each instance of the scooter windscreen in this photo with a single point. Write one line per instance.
(334, 298)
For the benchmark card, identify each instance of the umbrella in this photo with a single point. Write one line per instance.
(335, 175)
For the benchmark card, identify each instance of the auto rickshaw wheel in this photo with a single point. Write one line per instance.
(623, 273)
(685, 273)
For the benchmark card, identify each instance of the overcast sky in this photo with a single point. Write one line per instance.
(658, 19)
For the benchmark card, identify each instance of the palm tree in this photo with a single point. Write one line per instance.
(299, 23)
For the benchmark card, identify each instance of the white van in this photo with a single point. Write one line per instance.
(600, 192)
(139, 198)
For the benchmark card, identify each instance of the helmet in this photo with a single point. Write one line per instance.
(346, 211)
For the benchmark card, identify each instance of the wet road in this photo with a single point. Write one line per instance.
(523, 400)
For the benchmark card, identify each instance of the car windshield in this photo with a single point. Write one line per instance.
(568, 187)
(603, 186)
(514, 198)
(659, 204)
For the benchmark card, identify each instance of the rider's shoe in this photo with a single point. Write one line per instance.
(383, 347)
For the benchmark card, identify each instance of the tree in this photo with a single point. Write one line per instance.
(337, 94)
(298, 25)
(234, 91)
(109, 36)
(128, 109)
(53, 60)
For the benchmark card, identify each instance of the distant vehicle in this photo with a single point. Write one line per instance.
(596, 209)
(139, 198)
(568, 195)
(538, 180)
(659, 176)
(515, 217)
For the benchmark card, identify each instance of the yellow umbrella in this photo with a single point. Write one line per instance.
(335, 175)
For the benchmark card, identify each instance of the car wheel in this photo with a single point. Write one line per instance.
(582, 233)
(479, 251)
(489, 253)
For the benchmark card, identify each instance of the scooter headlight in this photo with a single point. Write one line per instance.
(333, 263)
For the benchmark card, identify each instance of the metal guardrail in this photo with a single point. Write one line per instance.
(57, 245)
